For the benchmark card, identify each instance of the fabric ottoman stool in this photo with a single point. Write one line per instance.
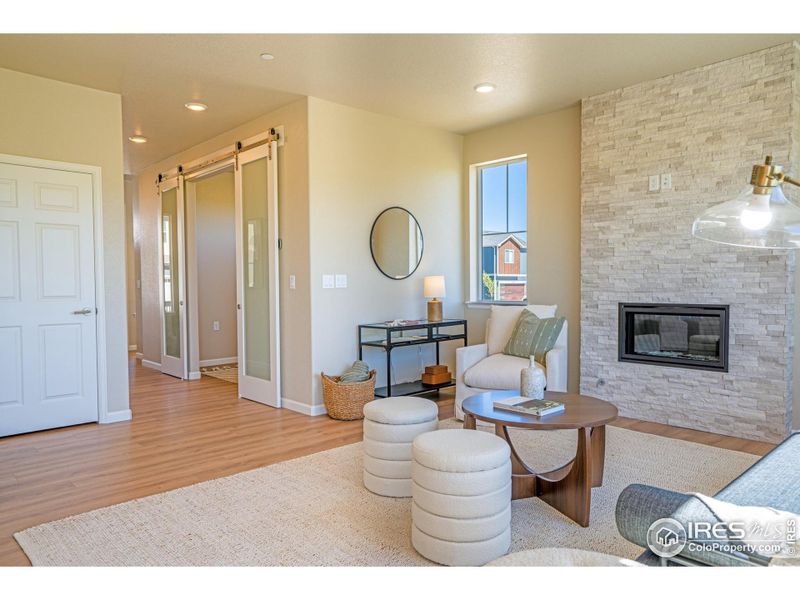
(461, 490)
(390, 425)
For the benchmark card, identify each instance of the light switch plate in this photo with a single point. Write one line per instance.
(292, 282)
(328, 282)
(341, 281)
(666, 181)
(215, 325)
(653, 183)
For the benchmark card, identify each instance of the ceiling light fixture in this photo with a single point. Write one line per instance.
(485, 88)
(760, 217)
(267, 56)
(196, 106)
(138, 139)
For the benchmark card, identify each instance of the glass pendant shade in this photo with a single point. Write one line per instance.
(753, 221)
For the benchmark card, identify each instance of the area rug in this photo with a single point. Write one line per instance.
(229, 373)
(314, 510)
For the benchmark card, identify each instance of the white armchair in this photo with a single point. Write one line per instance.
(484, 367)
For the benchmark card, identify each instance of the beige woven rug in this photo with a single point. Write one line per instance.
(315, 511)
(229, 373)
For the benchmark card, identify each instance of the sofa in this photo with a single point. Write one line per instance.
(774, 481)
(484, 367)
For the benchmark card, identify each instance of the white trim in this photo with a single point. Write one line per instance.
(132, 348)
(139, 355)
(302, 408)
(99, 260)
(151, 364)
(214, 362)
(117, 416)
(194, 375)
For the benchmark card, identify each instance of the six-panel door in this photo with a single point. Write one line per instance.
(48, 355)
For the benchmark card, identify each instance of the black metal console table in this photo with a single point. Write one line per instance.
(432, 335)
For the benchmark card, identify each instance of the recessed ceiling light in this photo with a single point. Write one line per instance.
(484, 88)
(196, 106)
(267, 56)
(138, 139)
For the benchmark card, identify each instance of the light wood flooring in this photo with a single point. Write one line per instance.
(182, 432)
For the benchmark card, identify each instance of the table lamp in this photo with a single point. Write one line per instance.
(434, 288)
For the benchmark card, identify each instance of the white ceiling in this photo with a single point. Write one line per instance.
(424, 78)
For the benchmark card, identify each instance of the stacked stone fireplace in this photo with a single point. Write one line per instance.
(706, 127)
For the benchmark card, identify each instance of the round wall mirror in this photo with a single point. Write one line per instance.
(396, 243)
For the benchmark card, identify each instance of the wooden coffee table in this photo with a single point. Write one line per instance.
(569, 487)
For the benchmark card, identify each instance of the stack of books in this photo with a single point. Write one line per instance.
(529, 406)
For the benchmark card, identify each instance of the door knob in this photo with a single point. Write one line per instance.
(83, 311)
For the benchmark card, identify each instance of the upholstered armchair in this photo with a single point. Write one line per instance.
(484, 367)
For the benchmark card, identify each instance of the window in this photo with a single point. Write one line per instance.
(502, 216)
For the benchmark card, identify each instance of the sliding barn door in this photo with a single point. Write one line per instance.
(257, 274)
(172, 288)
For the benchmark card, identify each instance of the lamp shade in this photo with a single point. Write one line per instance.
(434, 286)
(752, 220)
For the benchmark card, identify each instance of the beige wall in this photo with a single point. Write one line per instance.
(131, 194)
(294, 258)
(552, 143)
(48, 119)
(361, 163)
(216, 261)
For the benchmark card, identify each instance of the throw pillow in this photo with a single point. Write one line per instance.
(503, 319)
(533, 336)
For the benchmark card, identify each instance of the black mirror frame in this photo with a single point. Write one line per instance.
(421, 237)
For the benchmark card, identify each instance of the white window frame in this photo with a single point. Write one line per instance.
(474, 298)
(508, 256)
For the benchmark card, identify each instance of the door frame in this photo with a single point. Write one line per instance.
(99, 279)
(192, 268)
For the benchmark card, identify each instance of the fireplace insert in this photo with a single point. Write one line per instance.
(693, 336)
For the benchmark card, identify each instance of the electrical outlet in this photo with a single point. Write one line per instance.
(215, 325)
(328, 282)
(341, 281)
(653, 183)
(292, 282)
(666, 181)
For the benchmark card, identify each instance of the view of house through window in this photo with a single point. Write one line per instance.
(502, 206)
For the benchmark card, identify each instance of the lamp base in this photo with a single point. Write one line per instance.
(434, 310)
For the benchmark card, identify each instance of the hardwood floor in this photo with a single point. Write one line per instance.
(183, 432)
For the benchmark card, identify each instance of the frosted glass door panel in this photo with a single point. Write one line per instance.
(255, 301)
(169, 266)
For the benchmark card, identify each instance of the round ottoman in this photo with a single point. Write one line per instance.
(390, 425)
(461, 490)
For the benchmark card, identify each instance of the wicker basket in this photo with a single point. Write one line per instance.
(345, 401)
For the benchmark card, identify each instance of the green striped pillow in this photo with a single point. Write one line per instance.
(533, 336)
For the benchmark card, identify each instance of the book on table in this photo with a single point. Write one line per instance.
(529, 406)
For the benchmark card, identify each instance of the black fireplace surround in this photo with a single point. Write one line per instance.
(692, 336)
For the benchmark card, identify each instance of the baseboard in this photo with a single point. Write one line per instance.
(139, 355)
(214, 362)
(151, 364)
(302, 408)
(194, 375)
(132, 348)
(116, 416)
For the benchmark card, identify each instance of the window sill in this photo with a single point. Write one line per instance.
(488, 305)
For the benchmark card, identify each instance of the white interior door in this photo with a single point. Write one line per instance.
(48, 344)
(257, 274)
(172, 275)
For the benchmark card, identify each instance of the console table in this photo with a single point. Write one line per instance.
(392, 337)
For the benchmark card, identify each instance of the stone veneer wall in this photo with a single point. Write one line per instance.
(706, 127)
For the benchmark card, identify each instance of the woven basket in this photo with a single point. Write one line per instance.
(345, 401)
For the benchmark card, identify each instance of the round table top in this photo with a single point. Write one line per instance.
(580, 411)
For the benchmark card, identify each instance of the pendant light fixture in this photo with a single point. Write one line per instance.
(759, 217)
